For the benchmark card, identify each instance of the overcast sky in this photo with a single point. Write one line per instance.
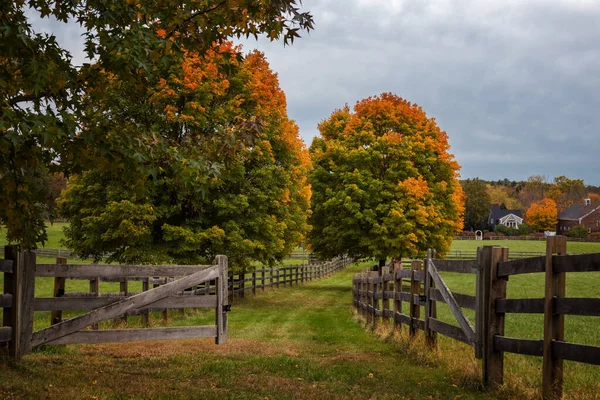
(515, 84)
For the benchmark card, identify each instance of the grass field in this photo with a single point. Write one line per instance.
(291, 339)
(525, 245)
(289, 343)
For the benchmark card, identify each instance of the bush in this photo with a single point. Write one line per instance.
(525, 229)
(493, 235)
(506, 230)
(466, 234)
(578, 232)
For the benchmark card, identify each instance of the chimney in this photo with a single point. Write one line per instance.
(587, 201)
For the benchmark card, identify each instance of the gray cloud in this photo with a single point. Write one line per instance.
(514, 83)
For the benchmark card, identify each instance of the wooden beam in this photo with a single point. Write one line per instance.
(576, 263)
(554, 324)
(27, 288)
(222, 299)
(5, 334)
(522, 266)
(59, 291)
(135, 335)
(452, 331)
(458, 266)
(523, 306)
(119, 308)
(89, 303)
(117, 271)
(6, 266)
(576, 352)
(519, 346)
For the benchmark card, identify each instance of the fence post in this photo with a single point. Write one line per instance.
(254, 283)
(222, 300)
(554, 325)
(262, 279)
(415, 290)
(430, 305)
(146, 313)
(493, 360)
(397, 294)
(10, 314)
(385, 287)
(124, 288)
(27, 289)
(59, 291)
(95, 289)
(479, 305)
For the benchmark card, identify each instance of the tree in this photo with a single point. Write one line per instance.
(533, 190)
(503, 195)
(255, 209)
(566, 192)
(477, 204)
(384, 184)
(47, 122)
(542, 215)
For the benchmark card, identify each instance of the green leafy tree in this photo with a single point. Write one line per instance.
(578, 231)
(477, 204)
(254, 209)
(384, 184)
(49, 122)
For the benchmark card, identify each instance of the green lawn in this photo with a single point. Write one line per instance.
(55, 234)
(301, 342)
(525, 245)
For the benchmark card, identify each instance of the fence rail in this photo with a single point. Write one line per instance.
(419, 283)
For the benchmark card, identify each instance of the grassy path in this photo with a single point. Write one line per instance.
(290, 343)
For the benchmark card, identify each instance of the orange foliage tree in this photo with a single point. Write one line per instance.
(542, 215)
(216, 108)
(384, 183)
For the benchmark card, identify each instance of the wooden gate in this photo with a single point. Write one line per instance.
(19, 302)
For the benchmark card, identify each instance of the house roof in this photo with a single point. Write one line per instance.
(577, 211)
(497, 213)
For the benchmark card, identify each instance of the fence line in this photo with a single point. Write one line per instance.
(406, 281)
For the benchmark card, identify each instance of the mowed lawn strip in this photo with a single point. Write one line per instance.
(289, 343)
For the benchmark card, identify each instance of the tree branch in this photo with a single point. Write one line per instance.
(27, 97)
(194, 15)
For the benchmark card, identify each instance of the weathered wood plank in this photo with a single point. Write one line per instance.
(463, 300)
(519, 346)
(452, 304)
(222, 293)
(116, 271)
(119, 308)
(458, 266)
(521, 306)
(89, 303)
(576, 352)
(576, 263)
(134, 335)
(403, 296)
(6, 300)
(27, 287)
(403, 273)
(575, 306)
(522, 266)
(6, 266)
(402, 318)
(452, 331)
(554, 324)
(5, 334)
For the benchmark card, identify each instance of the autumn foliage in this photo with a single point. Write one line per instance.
(384, 184)
(216, 109)
(541, 216)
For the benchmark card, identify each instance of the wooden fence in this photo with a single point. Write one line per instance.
(379, 295)
(175, 287)
(277, 277)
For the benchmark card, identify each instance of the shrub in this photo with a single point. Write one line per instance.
(525, 229)
(507, 230)
(578, 232)
(466, 234)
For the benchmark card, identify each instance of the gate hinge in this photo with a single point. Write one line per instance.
(422, 300)
(226, 307)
